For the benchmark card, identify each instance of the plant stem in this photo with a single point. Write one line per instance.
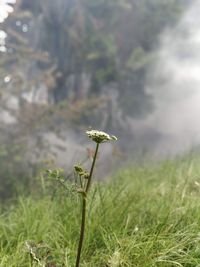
(92, 168)
(82, 231)
(84, 204)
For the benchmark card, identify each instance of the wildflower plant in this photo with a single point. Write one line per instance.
(83, 182)
(85, 179)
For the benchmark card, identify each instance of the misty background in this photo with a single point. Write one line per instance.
(128, 67)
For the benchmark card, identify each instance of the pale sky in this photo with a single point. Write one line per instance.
(5, 8)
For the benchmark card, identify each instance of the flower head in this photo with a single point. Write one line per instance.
(100, 137)
(81, 171)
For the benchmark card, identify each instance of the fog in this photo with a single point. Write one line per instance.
(130, 69)
(173, 81)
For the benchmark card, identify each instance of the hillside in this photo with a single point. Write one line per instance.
(142, 217)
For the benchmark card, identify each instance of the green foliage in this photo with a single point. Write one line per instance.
(13, 179)
(98, 38)
(144, 216)
(139, 59)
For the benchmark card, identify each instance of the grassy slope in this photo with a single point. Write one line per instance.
(143, 217)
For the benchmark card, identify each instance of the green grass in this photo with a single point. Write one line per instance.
(144, 216)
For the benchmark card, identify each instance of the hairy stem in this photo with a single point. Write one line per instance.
(92, 168)
(84, 202)
(82, 231)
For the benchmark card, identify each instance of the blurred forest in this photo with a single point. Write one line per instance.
(66, 65)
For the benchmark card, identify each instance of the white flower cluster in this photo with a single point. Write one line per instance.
(6, 8)
(100, 137)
